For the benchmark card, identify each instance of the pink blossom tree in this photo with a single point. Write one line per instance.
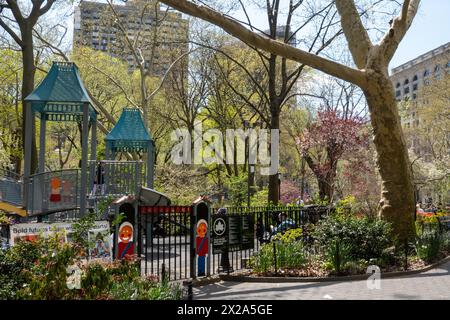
(327, 140)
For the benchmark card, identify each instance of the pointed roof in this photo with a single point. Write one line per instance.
(129, 134)
(60, 93)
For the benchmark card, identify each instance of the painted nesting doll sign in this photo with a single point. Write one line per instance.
(55, 192)
(202, 245)
(125, 243)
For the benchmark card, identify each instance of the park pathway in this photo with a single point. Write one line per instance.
(433, 284)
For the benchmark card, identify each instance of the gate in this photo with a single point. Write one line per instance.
(165, 235)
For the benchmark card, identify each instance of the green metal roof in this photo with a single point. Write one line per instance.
(129, 134)
(61, 94)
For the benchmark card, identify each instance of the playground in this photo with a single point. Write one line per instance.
(175, 243)
(171, 241)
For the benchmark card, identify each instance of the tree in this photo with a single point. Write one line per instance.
(327, 141)
(23, 37)
(371, 74)
(272, 79)
(427, 130)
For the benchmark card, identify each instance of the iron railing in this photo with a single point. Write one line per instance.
(268, 221)
(114, 178)
(165, 237)
(10, 187)
(53, 191)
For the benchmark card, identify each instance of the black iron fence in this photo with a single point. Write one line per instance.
(267, 222)
(165, 241)
(166, 237)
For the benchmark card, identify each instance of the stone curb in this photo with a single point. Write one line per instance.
(241, 278)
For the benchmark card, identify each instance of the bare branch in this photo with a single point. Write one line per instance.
(399, 27)
(358, 40)
(273, 46)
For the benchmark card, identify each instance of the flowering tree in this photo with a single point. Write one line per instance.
(289, 192)
(329, 139)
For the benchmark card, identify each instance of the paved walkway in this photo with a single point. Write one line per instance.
(433, 284)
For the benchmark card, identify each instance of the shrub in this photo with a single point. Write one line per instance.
(38, 270)
(362, 237)
(429, 244)
(47, 277)
(337, 253)
(13, 263)
(96, 281)
(288, 249)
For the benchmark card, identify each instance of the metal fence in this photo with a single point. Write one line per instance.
(10, 187)
(166, 235)
(114, 178)
(268, 221)
(53, 191)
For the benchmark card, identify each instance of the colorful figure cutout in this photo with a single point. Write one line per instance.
(55, 194)
(126, 244)
(202, 245)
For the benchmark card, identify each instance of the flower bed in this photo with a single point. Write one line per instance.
(343, 245)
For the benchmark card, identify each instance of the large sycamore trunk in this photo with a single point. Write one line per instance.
(397, 203)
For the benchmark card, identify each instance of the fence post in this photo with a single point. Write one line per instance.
(163, 272)
(275, 256)
(188, 284)
(192, 244)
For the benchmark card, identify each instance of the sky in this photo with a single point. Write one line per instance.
(430, 29)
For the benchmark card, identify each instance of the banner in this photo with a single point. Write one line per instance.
(99, 235)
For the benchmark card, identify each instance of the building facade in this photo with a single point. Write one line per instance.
(158, 35)
(418, 83)
(409, 78)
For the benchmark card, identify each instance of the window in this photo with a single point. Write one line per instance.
(437, 68)
(415, 78)
(406, 90)
(397, 85)
(406, 82)
(426, 82)
(414, 96)
(426, 73)
(398, 93)
(415, 87)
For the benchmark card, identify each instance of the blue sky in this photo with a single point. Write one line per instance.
(429, 30)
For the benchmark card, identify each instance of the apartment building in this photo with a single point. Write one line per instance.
(158, 35)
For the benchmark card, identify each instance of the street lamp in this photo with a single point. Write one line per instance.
(279, 186)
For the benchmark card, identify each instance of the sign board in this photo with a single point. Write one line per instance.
(232, 232)
(99, 235)
(219, 232)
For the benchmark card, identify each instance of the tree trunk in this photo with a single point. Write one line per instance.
(274, 183)
(28, 73)
(397, 193)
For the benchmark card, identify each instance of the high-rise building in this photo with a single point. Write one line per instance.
(408, 80)
(158, 35)
(421, 88)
